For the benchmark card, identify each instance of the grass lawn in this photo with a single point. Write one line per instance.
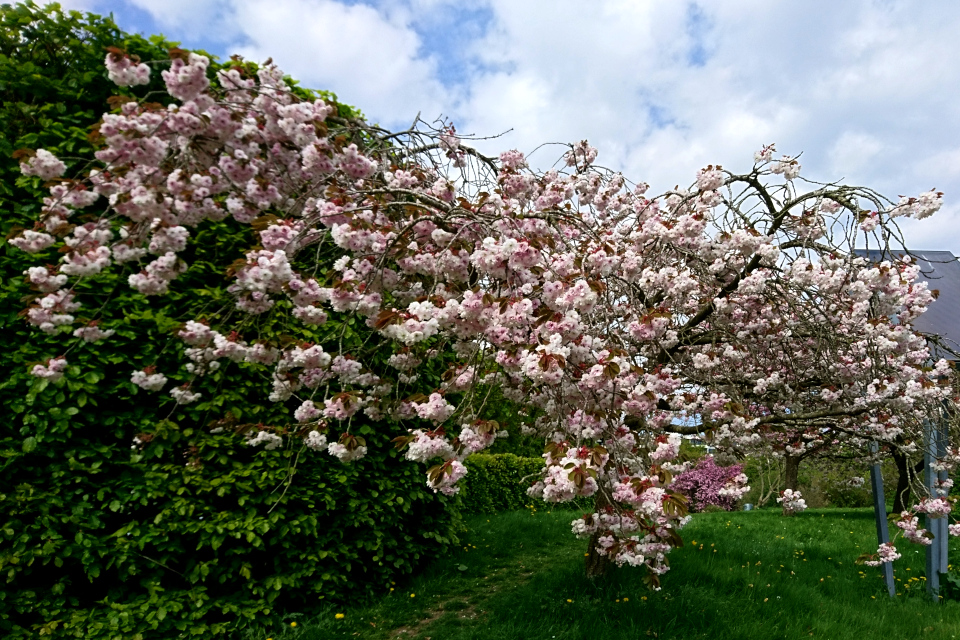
(753, 575)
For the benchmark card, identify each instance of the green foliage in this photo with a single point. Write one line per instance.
(824, 482)
(194, 533)
(498, 482)
(690, 452)
(950, 585)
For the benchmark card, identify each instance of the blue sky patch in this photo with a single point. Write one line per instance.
(698, 26)
(447, 34)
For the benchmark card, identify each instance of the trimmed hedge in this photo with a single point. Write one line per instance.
(195, 534)
(495, 482)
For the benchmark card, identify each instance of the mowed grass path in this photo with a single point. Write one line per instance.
(753, 575)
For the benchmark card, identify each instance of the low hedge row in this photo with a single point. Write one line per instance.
(498, 482)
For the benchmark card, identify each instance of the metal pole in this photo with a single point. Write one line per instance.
(880, 513)
(943, 535)
(930, 445)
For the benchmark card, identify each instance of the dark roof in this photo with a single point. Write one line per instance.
(941, 271)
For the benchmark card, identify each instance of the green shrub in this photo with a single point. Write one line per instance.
(498, 482)
(195, 533)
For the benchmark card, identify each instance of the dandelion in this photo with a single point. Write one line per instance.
(569, 600)
(293, 624)
(339, 616)
(413, 595)
(628, 599)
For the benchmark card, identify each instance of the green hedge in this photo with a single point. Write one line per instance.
(196, 534)
(495, 482)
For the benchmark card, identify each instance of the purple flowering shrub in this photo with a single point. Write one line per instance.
(703, 485)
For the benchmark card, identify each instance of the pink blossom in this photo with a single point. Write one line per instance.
(885, 553)
(148, 380)
(792, 502)
(44, 165)
(53, 370)
(451, 473)
(315, 441)
(44, 280)
(93, 333)
(344, 454)
(270, 441)
(32, 241)
(125, 72)
(426, 447)
(187, 80)
(183, 395)
(435, 409)
(306, 412)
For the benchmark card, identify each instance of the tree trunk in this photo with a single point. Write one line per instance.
(791, 472)
(597, 565)
(901, 497)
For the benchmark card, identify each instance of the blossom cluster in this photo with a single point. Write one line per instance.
(792, 502)
(711, 484)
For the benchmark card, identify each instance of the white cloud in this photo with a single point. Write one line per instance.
(852, 152)
(365, 57)
(866, 89)
(861, 88)
(212, 20)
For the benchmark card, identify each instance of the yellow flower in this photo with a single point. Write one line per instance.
(626, 599)
(293, 624)
(339, 616)
(412, 595)
(569, 600)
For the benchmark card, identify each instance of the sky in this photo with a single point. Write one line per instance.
(868, 91)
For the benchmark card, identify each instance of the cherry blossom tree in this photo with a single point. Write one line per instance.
(611, 317)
